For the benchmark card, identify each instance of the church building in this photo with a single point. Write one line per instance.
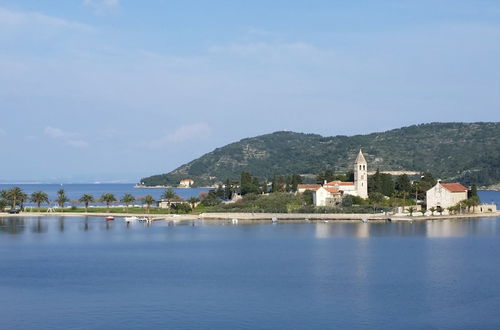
(330, 193)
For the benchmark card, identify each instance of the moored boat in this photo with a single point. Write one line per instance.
(109, 218)
(130, 219)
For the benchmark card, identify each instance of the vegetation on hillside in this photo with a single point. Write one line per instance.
(463, 152)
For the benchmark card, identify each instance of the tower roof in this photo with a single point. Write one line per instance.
(360, 159)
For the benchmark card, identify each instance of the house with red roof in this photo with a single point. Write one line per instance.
(445, 195)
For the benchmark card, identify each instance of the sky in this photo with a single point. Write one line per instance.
(117, 90)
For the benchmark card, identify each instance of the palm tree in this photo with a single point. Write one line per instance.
(39, 197)
(127, 199)
(193, 201)
(432, 209)
(148, 199)
(14, 195)
(61, 198)
(86, 199)
(108, 199)
(22, 199)
(168, 195)
(474, 201)
(411, 209)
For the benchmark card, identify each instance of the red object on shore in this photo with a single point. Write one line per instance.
(109, 218)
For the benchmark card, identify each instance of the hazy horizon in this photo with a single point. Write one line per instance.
(112, 91)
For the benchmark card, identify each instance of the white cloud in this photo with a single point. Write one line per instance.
(67, 138)
(102, 6)
(18, 19)
(182, 134)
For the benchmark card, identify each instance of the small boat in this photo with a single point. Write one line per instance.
(144, 219)
(109, 218)
(234, 221)
(130, 219)
(364, 220)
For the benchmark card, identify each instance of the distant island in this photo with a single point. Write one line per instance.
(463, 152)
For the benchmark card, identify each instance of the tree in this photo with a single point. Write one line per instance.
(127, 199)
(432, 209)
(14, 196)
(403, 184)
(169, 194)
(421, 186)
(210, 198)
(328, 175)
(228, 190)
(295, 180)
(347, 201)
(248, 184)
(39, 197)
(308, 197)
(192, 201)
(411, 209)
(149, 200)
(474, 201)
(86, 199)
(263, 187)
(61, 198)
(108, 198)
(181, 208)
(473, 192)
(23, 197)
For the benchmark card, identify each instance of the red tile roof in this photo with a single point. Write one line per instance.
(339, 183)
(454, 187)
(312, 187)
(333, 183)
(333, 190)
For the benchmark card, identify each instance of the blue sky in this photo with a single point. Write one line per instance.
(114, 90)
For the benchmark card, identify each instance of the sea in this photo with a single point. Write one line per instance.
(87, 273)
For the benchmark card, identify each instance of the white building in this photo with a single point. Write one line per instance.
(331, 192)
(186, 183)
(445, 195)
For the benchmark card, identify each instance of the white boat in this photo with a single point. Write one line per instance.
(144, 219)
(130, 219)
(365, 220)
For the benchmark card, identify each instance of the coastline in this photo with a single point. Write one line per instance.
(337, 216)
(282, 217)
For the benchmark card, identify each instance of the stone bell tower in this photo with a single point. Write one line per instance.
(361, 175)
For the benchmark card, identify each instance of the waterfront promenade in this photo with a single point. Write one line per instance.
(284, 217)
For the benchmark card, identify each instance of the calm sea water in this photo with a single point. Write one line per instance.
(75, 191)
(85, 273)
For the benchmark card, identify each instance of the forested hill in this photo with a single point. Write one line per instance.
(464, 152)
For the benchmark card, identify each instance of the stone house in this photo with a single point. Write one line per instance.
(445, 195)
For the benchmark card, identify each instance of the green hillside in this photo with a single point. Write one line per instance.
(464, 152)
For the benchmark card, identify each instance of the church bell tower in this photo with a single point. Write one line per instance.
(361, 175)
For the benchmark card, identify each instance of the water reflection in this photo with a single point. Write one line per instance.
(12, 225)
(432, 229)
(61, 224)
(39, 226)
(322, 230)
